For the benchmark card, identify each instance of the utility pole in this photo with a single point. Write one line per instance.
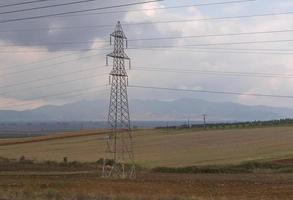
(204, 121)
(167, 127)
(119, 161)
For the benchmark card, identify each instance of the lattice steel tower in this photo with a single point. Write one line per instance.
(119, 161)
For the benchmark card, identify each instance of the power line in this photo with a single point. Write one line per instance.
(211, 91)
(43, 60)
(170, 46)
(45, 7)
(56, 43)
(156, 88)
(198, 50)
(46, 66)
(50, 77)
(45, 51)
(215, 72)
(56, 83)
(226, 50)
(210, 50)
(160, 8)
(161, 70)
(213, 35)
(39, 61)
(208, 19)
(73, 93)
(173, 70)
(157, 38)
(24, 3)
(242, 49)
(220, 43)
(225, 73)
(149, 23)
(77, 11)
(55, 95)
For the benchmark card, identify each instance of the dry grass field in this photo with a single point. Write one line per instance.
(155, 148)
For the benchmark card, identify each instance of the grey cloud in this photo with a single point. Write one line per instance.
(52, 36)
(160, 58)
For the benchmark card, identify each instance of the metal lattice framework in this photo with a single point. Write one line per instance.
(119, 161)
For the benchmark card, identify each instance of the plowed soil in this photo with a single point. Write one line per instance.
(149, 186)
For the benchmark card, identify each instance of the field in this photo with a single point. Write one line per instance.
(148, 187)
(153, 148)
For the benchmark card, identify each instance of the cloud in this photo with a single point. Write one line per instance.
(14, 104)
(50, 33)
(192, 58)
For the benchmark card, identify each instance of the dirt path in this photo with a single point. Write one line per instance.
(8, 142)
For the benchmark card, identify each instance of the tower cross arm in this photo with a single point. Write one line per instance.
(121, 55)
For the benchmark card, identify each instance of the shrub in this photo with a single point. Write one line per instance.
(247, 167)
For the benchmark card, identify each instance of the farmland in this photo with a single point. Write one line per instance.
(148, 186)
(157, 148)
(45, 176)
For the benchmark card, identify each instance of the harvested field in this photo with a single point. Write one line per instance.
(70, 180)
(154, 148)
(148, 186)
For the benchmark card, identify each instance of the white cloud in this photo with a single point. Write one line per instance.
(199, 59)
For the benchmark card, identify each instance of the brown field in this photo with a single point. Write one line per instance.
(155, 148)
(148, 187)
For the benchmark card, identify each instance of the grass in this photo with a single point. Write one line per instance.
(52, 194)
(213, 182)
(26, 165)
(246, 167)
(220, 166)
(162, 148)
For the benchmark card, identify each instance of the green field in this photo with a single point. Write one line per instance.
(153, 148)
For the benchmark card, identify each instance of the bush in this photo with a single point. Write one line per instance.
(247, 167)
(23, 160)
(107, 161)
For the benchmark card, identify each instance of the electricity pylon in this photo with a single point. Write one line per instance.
(119, 161)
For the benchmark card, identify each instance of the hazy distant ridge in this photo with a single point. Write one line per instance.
(180, 109)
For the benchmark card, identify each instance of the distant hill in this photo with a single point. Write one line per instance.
(180, 109)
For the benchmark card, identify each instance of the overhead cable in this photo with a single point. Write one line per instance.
(211, 91)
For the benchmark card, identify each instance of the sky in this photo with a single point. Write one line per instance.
(51, 61)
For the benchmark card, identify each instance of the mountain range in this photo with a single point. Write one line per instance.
(150, 110)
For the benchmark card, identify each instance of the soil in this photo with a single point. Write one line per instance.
(148, 185)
